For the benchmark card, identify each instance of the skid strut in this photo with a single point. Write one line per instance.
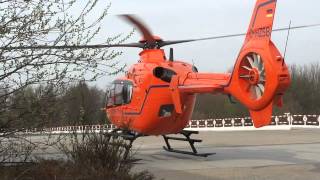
(187, 138)
(125, 135)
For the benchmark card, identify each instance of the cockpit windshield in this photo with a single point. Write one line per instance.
(119, 93)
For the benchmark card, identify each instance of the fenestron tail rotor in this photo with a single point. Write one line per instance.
(254, 75)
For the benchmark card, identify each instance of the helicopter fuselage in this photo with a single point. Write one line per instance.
(149, 107)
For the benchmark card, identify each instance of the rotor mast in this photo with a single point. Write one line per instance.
(152, 56)
(151, 52)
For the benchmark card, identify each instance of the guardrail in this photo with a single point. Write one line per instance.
(283, 122)
(72, 129)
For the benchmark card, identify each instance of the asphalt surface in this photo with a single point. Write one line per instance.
(253, 155)
(247, 155)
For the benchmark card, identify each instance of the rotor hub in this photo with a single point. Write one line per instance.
(156, 38)
(254, 76)
(154, 44)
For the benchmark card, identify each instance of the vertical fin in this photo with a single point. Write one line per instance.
(260, 29)
(262, 20)
(262, 117)
(276, 78)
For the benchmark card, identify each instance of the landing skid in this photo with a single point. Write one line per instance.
(128, 136)
(187, 138)
(132, 136)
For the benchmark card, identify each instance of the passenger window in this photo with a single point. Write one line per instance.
(166, 110)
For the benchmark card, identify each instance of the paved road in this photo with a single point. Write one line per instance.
(240, 155)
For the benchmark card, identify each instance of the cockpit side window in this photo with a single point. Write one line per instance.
(119, 93)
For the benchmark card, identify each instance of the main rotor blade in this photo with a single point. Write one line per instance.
(147, 35)
(136, 45)
(166, 43)
(296, 27)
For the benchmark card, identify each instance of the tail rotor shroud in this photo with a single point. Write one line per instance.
(259, 80)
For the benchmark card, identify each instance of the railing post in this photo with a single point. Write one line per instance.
(276, 119)
(305, 119)
(290, 119)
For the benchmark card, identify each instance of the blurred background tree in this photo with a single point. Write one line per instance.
(33, 82)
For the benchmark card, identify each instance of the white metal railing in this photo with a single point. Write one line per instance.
(283, 122)
(72, 129)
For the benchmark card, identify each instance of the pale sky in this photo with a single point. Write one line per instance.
(185, 19)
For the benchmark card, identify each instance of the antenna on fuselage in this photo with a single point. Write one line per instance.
(287, 40)
(171, 55)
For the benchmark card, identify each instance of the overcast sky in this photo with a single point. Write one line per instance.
(185, 19)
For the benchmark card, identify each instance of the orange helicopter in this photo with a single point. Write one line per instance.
(157, 94)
